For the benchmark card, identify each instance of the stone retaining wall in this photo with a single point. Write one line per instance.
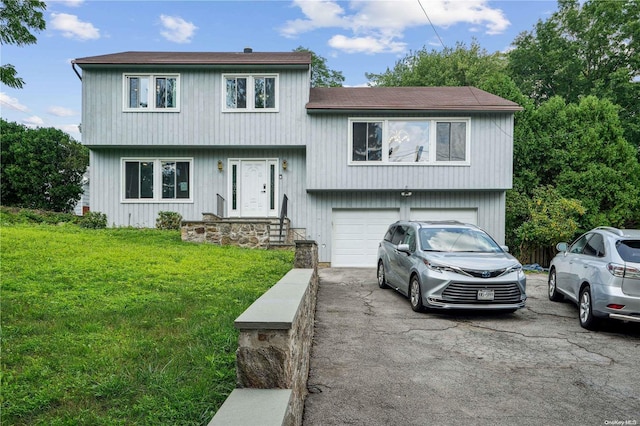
(274, 345)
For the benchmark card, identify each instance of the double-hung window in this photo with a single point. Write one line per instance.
(154, 179)
(250, 92)
(151, 92)
(409, 141)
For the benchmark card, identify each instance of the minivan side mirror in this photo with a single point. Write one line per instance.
(404, 248)
(562, 247)
(505, 249)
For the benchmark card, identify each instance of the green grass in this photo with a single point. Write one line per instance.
(121, 326)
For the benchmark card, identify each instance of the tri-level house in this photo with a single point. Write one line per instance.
(236, 133)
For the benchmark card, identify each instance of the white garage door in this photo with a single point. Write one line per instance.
(462, 215)
(356, 235)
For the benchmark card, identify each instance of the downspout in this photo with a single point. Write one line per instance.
(73, 65)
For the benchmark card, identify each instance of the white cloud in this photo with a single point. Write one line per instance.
(379, 25)
(177, 29)
(320, 14)
(72, 27)
(33, 121)
(59, 111)
(365, 44)
(12, 103)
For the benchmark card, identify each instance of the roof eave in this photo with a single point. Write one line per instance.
(369, 109)
(93, 65)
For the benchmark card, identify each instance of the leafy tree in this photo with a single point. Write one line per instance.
(579, 149)
(459, 66)
(40, 168)
(321, 75)
(548, 218)
(17, 19)
(584, 49)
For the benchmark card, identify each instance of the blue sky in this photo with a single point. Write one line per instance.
(355, 37)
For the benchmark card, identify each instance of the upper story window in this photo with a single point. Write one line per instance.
(153, 179)
(151, 92)
(403, 141)
(250, 92)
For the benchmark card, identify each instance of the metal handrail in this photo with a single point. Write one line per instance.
(283, 213)
(220, 205)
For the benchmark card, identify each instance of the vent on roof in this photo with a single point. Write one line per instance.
(248, 50)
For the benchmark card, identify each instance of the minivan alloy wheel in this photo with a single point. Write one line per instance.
(415, 295)
(382, 281)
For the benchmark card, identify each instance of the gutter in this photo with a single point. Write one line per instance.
(73, 65)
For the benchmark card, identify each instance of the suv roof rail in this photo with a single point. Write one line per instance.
(611, 229)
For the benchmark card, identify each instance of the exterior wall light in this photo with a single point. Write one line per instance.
(284, 164)
(220, 165)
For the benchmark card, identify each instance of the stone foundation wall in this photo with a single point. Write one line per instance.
(247, 234)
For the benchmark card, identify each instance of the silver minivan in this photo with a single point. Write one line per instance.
(450, 265)
(600, 272)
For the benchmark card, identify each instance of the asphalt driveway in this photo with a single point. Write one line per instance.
(376, 362)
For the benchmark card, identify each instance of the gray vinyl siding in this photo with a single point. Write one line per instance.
(318, 179)
(106, 181)
(491, 159)
(200, 120)
(489, 204)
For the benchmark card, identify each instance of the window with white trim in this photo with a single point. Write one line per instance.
(151, 92)
(155, 179)
(410, 140)
(250, 92)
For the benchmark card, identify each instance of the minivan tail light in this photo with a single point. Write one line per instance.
(622, 271)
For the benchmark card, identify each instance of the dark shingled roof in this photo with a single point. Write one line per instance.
(198, 58)
(332, 99)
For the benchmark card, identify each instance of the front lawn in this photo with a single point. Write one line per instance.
(121, 326)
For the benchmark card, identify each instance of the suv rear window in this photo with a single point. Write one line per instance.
(629, 250)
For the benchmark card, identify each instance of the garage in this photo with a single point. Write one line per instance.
(356, 234)
(461, 215)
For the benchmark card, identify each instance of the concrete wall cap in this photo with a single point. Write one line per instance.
(244, 407)
(278, 307)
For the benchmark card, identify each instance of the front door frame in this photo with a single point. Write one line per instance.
(236, 190)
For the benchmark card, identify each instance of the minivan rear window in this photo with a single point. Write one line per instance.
(389, 234)
(398, 236)
(629, 250)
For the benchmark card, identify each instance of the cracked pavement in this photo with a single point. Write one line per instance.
(376, 362)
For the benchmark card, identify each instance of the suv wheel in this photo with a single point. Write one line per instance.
(553, 289)
(585, 308)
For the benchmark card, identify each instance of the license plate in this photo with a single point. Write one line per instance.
(485, 294)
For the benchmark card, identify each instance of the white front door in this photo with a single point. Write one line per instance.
(254, 189)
